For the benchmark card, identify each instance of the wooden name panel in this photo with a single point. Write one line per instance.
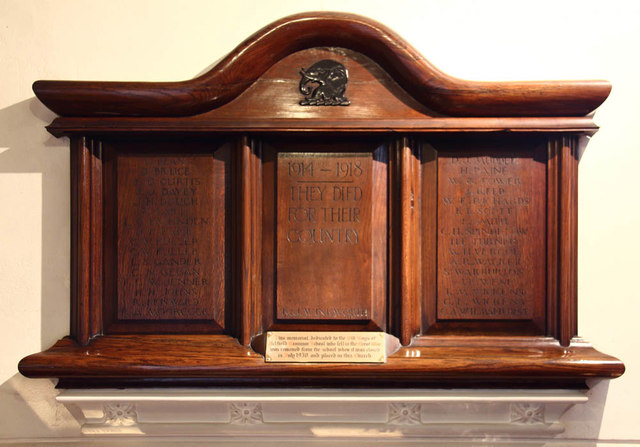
(166, 267)
(169, 236)
(485, 252)
(491, 238)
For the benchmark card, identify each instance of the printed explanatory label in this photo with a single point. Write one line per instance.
(491, 236)
(165, 238)
(325, 347)
(324, 236)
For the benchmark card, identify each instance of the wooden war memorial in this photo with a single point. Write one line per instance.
(323, 207)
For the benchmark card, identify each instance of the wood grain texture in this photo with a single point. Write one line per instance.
(300, 277)
(491, 219)
(86, 239)
(405, 261)
(248, 240)
(244, 65)
(553, 208)
(222, 360)
(568, 239)
(276, 95)
(165, 232)
(429, 234)
(169, 264)
(483, 224)
(374, 124)
(325, 236)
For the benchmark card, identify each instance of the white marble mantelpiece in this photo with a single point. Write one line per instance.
(323, 413)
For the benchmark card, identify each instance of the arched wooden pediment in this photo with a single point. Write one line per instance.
(429, 87)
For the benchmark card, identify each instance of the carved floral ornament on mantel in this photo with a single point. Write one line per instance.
(246, 413)
(308, 413)
(120, 414)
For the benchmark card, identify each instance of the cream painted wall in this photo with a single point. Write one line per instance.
(168, 40)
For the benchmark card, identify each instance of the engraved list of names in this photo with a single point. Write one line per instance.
(491, 236)
(166, 267)
(324, 236)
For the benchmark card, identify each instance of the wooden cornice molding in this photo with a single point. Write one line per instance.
(247, 62)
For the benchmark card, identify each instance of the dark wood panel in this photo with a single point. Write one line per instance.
(248, 240)
(469, 177)
(166, 227)
(404, 246)
(168, 261)
(553, 208)
(97, 239)
(568, 239)
(86, 239)
(324, 234)
(429, 233)
(372, 94)
(491, 221)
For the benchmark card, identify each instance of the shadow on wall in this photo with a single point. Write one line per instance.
(29, 148)
(584, 421)
(27, 406)
(30, 411)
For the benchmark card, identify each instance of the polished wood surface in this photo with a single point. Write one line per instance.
(208, 212)
(243, 66)
(324, 227)
(375, 124)
(378, 104)
(491, 215)
(568, 239)
(222, 360)
(166, 227)
(86, 238)
(321, 268)
(167, 238)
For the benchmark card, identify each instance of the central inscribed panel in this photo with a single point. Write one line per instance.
(324, 236)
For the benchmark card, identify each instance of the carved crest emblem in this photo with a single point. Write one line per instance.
(324, 84)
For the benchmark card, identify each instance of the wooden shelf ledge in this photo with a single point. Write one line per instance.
(215, 359)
